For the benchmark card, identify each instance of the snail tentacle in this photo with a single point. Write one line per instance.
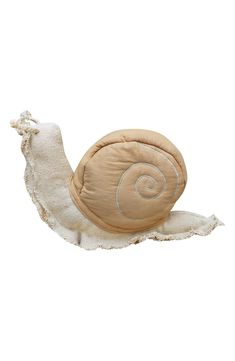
(23, 124)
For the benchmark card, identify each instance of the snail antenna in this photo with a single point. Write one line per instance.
(23, 125)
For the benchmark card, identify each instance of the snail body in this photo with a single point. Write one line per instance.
(121, 193)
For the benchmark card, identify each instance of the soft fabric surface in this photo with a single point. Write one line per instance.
(47, 176)
(129, 180)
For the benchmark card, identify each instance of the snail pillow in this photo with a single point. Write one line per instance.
(122, 191)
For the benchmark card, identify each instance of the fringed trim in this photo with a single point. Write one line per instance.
(204, 230)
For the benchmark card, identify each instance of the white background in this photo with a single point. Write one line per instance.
(94, 67)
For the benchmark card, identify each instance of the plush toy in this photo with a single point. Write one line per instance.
(121, 193)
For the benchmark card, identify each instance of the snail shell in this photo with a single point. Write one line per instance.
(129, 181)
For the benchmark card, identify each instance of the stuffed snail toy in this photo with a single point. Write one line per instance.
(121, 193)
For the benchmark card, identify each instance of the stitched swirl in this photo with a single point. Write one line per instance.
(149, 185)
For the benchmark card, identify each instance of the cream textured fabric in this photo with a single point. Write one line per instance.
(47, 176)
(129, 180)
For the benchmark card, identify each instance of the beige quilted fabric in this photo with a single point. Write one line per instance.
(129, 180)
